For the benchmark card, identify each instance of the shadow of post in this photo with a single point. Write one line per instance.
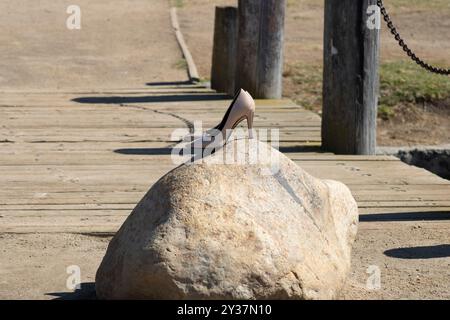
(150, 98)
(169, 83)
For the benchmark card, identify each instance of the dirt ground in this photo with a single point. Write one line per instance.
(419, 271)
(416, 125)
(113, 48)
(424, 24)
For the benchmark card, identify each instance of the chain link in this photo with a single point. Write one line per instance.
(405, 47)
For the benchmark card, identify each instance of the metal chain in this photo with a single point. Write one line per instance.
(405, 47)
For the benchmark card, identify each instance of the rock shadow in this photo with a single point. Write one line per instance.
(86, 292)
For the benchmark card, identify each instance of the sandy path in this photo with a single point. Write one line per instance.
(121, 44)
(406, 274)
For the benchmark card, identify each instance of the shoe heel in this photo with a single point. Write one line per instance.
(250, 124)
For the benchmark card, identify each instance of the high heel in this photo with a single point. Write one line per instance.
(242, 107)
(250, 124)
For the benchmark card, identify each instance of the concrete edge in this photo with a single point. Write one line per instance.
(383, 150)
(435, 159)
(192, 68)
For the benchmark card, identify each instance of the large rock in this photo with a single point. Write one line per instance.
(234, 231)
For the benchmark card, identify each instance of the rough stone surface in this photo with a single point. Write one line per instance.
(234, 231)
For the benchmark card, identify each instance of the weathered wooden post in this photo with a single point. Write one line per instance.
(224, 50)
(350, 77)
(260, 47)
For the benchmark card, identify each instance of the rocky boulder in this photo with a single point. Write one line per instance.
(248, 230)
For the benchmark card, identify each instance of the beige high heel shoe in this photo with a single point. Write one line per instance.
(242, 107)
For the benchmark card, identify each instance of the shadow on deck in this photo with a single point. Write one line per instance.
(151, 98)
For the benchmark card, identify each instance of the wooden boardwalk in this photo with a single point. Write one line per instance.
(79, 162)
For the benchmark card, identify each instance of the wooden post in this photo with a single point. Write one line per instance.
(350, 78)
(260, 47)
(224, 50)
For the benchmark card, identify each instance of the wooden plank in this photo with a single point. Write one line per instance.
(27, 198)
(365, 192)
(90, 184)
(33, 216)
(111, 223)
(110, 229)
(58, 207)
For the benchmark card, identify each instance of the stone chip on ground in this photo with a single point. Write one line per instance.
(255, 230)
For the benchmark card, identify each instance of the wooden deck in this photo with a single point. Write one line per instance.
(79, 162)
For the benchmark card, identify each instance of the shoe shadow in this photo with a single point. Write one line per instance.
(426, 252)
(86, 292)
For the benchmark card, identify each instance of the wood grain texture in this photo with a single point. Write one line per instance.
(77, 167)
(260, 47)
(223, 68)
(350, 78)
